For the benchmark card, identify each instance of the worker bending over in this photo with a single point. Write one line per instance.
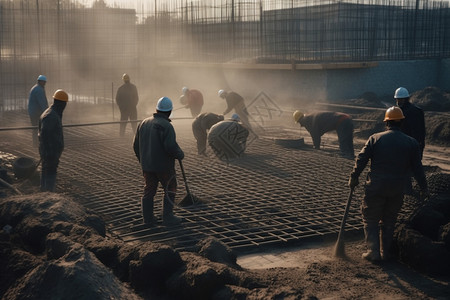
(319, 123)
(192, 99)
(236, 102)
(202, 123)
(228, 138)
(392, 155)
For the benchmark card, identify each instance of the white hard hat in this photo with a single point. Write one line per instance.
(184, 90)
(235, 117)
(42, 78)
(400, 93)
(221, 92)
(164, 104)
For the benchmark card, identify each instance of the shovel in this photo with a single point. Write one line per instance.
(339, 248)
(189, 199)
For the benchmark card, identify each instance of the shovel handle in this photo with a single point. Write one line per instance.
(184, 176)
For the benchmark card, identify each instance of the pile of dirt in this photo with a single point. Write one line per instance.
(53, 248)
(431, 99)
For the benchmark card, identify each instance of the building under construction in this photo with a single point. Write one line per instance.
(320, 49)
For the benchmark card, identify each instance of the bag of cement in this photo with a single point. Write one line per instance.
(228, 139)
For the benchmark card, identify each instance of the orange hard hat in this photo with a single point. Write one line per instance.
(393, 113)
(61, 96)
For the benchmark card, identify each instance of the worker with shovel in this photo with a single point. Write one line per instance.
(392, 155)
(320, 123)
(236, 102)
(192, 99)
(202, 123)
(51, 140)
(156, 149)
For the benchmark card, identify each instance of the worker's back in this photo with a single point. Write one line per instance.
(228, 139)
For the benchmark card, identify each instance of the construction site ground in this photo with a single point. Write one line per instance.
(278, 206)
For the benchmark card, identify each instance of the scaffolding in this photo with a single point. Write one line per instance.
(87, 49)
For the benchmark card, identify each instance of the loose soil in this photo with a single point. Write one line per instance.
(52, 248)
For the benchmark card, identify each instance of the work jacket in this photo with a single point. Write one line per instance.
(234, 101)
(319, 123)
(204, 121)
(37, 101)
(155, 144)
(51, 138)
(194, 99)
(393, 155)
(127, 96)
(414, 123)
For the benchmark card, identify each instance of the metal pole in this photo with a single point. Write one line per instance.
(112, 99)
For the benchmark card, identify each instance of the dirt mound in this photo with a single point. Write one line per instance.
(431, 99)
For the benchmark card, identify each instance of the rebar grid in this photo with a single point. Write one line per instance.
(270, 196)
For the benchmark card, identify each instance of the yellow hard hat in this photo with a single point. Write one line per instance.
(393, 113)
(61, 96)
(126, 77)
(297, 116)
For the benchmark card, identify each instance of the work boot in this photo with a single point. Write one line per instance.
(372, 237)
(169, 219)
(147, 211)
(387, 235)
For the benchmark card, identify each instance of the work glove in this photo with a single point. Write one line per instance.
(353, 182)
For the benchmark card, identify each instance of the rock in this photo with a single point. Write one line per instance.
(422, 253)
(155, 264)
(216, 251)
(77, 275)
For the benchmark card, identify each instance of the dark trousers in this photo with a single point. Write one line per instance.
(34, 118)
(168, 182)
(345, 136)
(380, 207)
(200, 135)
(125, 115)
(48, 173)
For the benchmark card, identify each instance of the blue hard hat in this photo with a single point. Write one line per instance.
(235, 117)
(42, 78)
(164, 104)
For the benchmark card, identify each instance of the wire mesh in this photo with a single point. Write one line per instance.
(86, 49)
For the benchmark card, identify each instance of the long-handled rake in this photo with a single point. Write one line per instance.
(339, 248)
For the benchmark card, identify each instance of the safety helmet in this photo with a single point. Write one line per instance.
(235, 117)
(126, 77)
(61, 95)
(221, 93)
(164, 104)
(42, 78)
(393, 113)
(400, 93)
(185, 90)
(297, 116)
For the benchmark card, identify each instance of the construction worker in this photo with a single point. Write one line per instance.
(192, 99)
(414, 123)
(392, 154)
(156, 149)
(228, 138)
(37, 104)
(51, 140)
(319, 123)
(236, 102)
(202, 123)
(127, 99)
